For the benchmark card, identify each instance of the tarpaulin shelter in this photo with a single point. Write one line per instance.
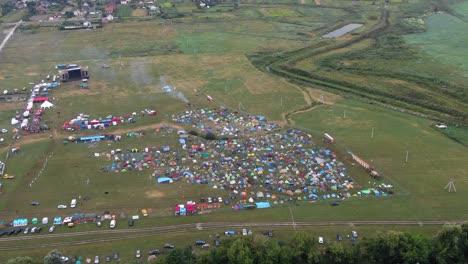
(47, 105)
(165, 180)
(262, 205)
(40, 99)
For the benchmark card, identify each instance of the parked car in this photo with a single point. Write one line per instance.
(244, 232)
(4, 131)
(64, 259)
(170, 246)
(17, 231)
(155, 252)
(131, 222)
(229, 233)
(33, 229)
(98, 224)
(112, 224)
(144, 212)
(26, 230)
(320, 240)
(61, 206)
(2, 233)
(353, 239)
(35, 203)
(11, 232)
(249, 232)
(138, 253)
(73, 203)
(52, 229)
(339, 237)
(108, 259)
(38, 229)
(335, 203)
(217, 243)
(116, 255)
(354, 233)
(226, 201)
(200, 243)
(96, 260)
(205, 246)
(220, 199)
(210, 200)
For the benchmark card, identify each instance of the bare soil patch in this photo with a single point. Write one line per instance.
(153, 194)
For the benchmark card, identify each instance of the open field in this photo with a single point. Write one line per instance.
(261, 59)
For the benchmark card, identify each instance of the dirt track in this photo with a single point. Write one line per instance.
(62, 134)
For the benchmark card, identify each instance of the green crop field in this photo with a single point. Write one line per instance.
(378, 90)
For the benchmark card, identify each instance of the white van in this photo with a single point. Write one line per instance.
(112, 224)
(73, 203)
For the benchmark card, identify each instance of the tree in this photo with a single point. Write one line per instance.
(69, 14)
(20, 260)
(239, 252)
(54, 257)
(180, 256)
(304, 249)
(447, 246)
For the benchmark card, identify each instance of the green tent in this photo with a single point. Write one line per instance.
(34, 221)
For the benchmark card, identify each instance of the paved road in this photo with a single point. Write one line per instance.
(4, 42)
(153, 231)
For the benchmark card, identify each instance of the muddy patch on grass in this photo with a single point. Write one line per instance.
(153, 194)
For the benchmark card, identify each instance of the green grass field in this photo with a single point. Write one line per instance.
(201, 57)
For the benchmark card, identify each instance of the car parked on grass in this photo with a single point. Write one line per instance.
(131, 222)
(205, 246)
(64, 259)
(17, 231)
(116, 255)
(138, 253)
(354, 233)
(200, 243)
(244, 232)
(170, 246)
(98, 224)
(320, 240)
(26, 230)
(61, 206)
(35, 203)
(38, 229)
(108, 259)
(96, 260)
(144, 212)
(112, 224)
(73, 203)
(217, 243)
(52, 229)
(155, 252)
(339, 237)
(229, 233)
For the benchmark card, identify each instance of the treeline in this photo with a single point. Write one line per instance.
(450, 246)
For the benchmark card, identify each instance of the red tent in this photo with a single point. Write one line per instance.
(40, 99)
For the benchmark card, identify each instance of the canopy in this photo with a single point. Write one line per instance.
(14, 121)
(47, 105)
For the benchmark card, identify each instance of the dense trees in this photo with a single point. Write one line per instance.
(449, 246)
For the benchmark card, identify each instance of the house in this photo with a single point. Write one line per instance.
(110, 8)
(93, 11)
(41, 9)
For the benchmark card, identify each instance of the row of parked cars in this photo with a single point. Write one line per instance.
(27, 230)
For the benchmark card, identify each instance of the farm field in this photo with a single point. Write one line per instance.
(265, 59)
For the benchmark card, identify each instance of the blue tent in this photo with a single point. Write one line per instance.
(164, 180)
(262, 205)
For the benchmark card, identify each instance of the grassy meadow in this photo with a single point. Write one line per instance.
(208, 53)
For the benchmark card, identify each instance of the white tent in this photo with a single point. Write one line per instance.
(14, 121)
(47, 105)
(26, 114)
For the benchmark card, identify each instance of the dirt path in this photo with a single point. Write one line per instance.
(307, 97)
(4, 42)
(62, 134)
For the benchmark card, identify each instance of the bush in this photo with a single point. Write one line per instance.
(210, 136)
(193, 133)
